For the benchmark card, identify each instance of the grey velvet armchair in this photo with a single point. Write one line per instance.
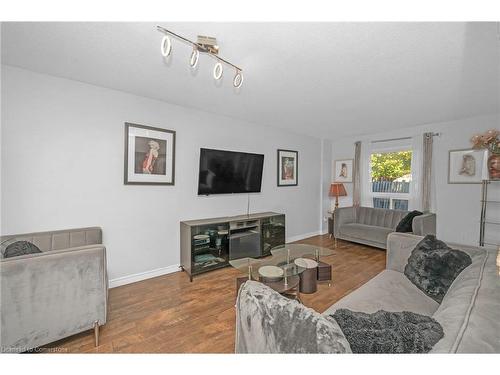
(54, 294)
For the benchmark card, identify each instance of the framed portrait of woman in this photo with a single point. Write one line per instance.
(467, 166)
(342, 170)
(288, 168)
(149, 155)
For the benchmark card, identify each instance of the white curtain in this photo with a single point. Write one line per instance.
(365, 175)
(415, 201)
(427, 171)
(356, 178)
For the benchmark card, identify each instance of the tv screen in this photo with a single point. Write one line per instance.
(226, 172)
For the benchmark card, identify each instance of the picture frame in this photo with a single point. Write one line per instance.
(288, 167)
(342, 170)
(466, 166)
(149, 157)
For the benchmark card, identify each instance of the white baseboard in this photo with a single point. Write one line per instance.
(143, 276)
(119, 281)
(302, 236)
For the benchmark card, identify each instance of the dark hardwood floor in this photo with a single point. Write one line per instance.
(169, 314)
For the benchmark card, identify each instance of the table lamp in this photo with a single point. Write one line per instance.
(337, 190)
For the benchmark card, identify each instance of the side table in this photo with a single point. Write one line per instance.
(331, 224)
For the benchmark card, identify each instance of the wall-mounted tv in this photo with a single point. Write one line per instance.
(227, 172)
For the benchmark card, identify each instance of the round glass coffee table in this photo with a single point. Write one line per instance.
(280, 272)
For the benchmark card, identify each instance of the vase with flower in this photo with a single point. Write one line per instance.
(491, 141)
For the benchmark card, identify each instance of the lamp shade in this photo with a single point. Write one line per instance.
(337, 189)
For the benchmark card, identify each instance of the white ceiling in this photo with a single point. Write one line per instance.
(321, 79)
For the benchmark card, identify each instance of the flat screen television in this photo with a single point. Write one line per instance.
(227, 172)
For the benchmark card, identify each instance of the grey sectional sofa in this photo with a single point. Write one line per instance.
(371, 226)
(469, 313)
(54, 294)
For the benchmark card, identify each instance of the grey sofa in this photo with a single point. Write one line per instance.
(54, 294)
(371, 226)
(469, 312)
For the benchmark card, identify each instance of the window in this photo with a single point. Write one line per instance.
(391, 178)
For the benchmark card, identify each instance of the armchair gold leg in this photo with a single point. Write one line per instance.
(96, 333)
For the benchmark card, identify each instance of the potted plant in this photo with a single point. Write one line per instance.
(491, 141)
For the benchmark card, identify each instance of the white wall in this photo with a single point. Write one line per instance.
(457, 205)
(326, 152)
(62, 158)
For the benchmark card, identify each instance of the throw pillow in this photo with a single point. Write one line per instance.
(405, 225)
(433, 265)
(388, 332)
(20, 248)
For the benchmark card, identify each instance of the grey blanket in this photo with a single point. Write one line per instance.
(388, 332)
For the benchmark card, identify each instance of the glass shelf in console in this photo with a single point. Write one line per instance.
(210, 247)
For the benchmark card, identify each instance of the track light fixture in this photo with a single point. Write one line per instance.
(193, 60)
(205, 44)
(166, 46)
(238, 79)
(218, 71)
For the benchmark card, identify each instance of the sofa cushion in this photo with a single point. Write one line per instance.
(406, 223)
(388, 332)
(379, 217)
(433, 265)
(390, 291)
(469, 312)
(267, 322)
(367, 232)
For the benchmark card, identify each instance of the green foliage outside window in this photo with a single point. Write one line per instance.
(389, 166)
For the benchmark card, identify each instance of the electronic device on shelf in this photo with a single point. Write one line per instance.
(227, 172)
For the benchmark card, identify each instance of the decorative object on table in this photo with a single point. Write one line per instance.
(288, 168)
(388, 332)
(466, 166)
(406, 223)
(491, 141)
(337, 190)
(149, 155)
(433, 266)
(342, 170)
(309, 277)
(270, 273)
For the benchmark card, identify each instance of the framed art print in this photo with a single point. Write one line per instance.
(288, 168)
(342, 170)
(466, 166)
(149, 155)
